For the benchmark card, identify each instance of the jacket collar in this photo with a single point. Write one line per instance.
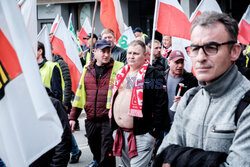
(42, 63)
(221, 85)
(107, 66)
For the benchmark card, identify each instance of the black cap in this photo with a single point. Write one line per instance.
(137, 29)
(101, 44)
(89, 36)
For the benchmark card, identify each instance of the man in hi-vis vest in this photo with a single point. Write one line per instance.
(51, 73)
(94, 95)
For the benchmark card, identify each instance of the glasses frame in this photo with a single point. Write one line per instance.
(207, 44)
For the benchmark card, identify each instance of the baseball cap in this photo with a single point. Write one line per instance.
(101, 44)
(89, 36)
(176, 55)
(137, 29)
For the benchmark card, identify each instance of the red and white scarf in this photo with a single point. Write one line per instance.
(135, 108)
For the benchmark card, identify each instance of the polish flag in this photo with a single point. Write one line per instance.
(55, 23)
(205, 5)
(43, 37)
(111, 17)
(64, 46)
(29, 124)
(28, 10)
(244, 28)
(171, 20)
(85, 30)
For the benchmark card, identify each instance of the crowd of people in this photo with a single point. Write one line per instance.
(129, 102)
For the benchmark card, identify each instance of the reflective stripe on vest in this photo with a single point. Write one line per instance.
(144, 36)
(247, 60)
(80, 97)
(46, 74)
(88, 58)
(117, 66)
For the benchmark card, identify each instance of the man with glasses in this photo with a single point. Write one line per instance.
(206, 130)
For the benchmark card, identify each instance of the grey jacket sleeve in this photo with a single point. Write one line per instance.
(175, 136)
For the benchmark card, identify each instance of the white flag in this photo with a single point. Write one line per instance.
(127, 37)
(29, 125)
(205, 5)
(64, 46)
(73, 34)
(28, 10)
(43, 37)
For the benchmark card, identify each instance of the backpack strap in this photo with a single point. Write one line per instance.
(244, 102)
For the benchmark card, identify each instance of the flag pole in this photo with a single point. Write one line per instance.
(93, 26)
(153, 33)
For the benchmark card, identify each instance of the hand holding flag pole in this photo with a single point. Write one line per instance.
(174, 106)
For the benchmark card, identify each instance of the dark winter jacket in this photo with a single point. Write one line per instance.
(188, 80)
(154, 105)
(161, 63)
(96, 93)
(97, 90)
(119, 54)
(60, 154)
(66, 77)
(179, 156)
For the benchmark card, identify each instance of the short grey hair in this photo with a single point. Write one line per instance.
(207, 19)
(140, 43)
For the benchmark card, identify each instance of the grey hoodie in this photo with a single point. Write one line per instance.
(207, 122)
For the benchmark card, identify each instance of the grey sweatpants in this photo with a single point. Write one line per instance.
(145, 147)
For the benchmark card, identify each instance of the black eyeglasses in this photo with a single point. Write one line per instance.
(209, 49)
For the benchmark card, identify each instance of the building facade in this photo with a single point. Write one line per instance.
(136, 13)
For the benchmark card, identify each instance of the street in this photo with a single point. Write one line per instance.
(82, 142)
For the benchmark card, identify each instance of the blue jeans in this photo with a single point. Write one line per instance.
(75, 150)
(1, 163)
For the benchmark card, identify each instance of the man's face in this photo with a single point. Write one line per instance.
(176, 67)
(166, 41)
(135, 56)
(102, 56)
(157, 50)
(138, 34)
(109, 37)
(207, 68)
(39, 56)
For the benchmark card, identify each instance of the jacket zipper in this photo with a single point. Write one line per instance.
(204, 119)
(222, 131)
(96, 96)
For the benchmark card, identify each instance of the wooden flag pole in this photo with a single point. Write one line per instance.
(93, 28)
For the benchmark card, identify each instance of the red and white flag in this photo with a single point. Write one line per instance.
(28, 10)
(205, 5)
(64, 46)
(55, 23)
(244, 28)
(43, 37)
(171, 20)
(29, 124)
(111, 17)
(85, 30)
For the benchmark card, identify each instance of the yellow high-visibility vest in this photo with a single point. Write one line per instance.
(80, 96)
(46, 74)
